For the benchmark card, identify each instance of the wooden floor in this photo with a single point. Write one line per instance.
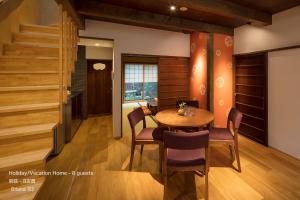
(266, 173)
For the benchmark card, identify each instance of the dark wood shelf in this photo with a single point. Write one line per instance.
(249, 65)
(259, 118)
(249, 85)
(252, 126)
(251, 90)
(249, 75)
(252, 137)
(248, 105)
(249, 95)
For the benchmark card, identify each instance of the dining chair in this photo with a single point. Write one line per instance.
(143, 137)
(192, 103)
(186, 152)
(229, 135)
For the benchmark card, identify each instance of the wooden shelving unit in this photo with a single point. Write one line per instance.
(250, 95)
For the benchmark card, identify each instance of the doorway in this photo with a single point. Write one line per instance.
(99, 87)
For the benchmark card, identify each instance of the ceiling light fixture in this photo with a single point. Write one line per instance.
(172, 8)
(183, 8)
(97, 44)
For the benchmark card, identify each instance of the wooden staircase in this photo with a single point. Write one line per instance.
(31, 103)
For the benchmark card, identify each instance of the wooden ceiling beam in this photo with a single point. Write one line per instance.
(228, 9)
(112, 13)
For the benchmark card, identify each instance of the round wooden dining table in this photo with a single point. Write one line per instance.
(197, 118)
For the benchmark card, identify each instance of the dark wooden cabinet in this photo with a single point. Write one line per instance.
(73, 115)
(251, 95)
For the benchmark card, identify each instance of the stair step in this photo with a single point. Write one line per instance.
(37, 45)
(29, 88)
(28, 63)
(23, 159)
(30, 107)
(10, 96)
(30, 50)
(25, 131)
(26, 144)
(28, 79)
(28, 72)
(35, 38)
(38, 29)
(27, 118)
(27, 195)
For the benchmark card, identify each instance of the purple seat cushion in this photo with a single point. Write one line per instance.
(145, 134)
(185, 158)
(220, 134)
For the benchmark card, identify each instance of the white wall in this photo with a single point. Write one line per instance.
(284, 101)
(283, 77)
(103, 53)
(135, 40)
(284, 31)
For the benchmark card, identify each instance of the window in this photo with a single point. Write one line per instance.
(140, 82)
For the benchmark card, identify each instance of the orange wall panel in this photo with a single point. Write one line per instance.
(198, 68)
(223, 51)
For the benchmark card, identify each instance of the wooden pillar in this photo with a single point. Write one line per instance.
(210, 72)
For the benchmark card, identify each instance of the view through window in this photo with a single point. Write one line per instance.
(140, 82)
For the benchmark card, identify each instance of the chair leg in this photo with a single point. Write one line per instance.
(206, 184)
(142, 148)
(160, 157)
(165, 175)
(131, 156)
(231, 153)
(237, 155)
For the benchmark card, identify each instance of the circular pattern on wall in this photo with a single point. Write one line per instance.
(203, 51)
(218, 53)
(193, 47)
(200, 36)
(228, 41)
(220, 82)
(202, 89)
(221, 102)
(195, 69)
(229, 65)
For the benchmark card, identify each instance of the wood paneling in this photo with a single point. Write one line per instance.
(270, 6)
(251, 95)
(124, 15)
(173, 82)
(221, 12)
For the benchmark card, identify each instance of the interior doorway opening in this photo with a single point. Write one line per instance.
(99, 59)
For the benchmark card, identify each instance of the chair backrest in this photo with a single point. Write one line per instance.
(135, 117)
(192, 103)
(186, 141)
(235, 117)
